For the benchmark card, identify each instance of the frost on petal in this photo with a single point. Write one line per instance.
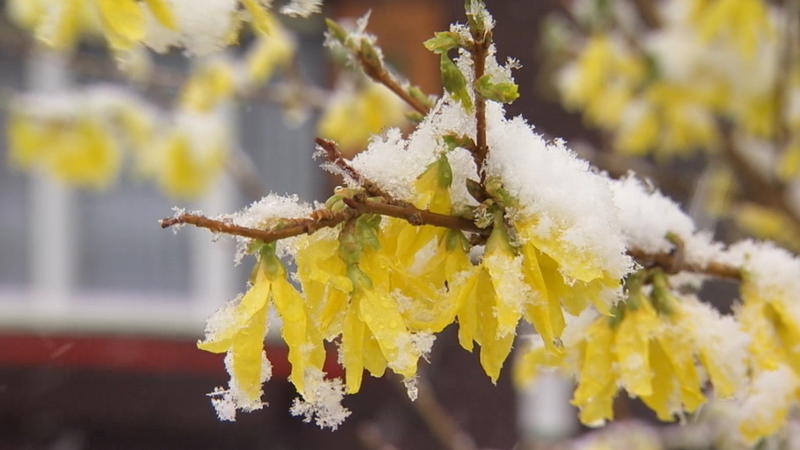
(721, 345)
(302, 8)
(202, 26)
(773, 271)
(322, 401)
(647, 216)
(766, 405)
(568, 206)
(395, 163)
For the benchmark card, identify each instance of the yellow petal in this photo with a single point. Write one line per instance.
(467, 296)
(162, 13)
(374, 361)
(494, 347)
(353, 347)
(289, 305)
(123, 21)
(380, 312)
(247, 368)
(632, 353)
(261, 19)
(596, 387)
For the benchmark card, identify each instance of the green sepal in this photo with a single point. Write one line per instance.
(269, 260)
(360, 279)
(444, 172)
(501, 235)
(505, 92)
(454, 82)
(442, 42)
(661, 297)
(367, 228)
(455, 239)
(617, 315)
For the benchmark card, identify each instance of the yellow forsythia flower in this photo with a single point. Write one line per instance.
(651, 353)
(188, 159)
(208, 86)
(80, 151)
(602, 80)
(745, 21)
(239, 330)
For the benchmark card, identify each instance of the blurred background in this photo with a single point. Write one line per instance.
(100, 309)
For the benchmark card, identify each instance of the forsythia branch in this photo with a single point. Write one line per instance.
(479, 52)
(335, 157)
(379, 74)
(325, 218)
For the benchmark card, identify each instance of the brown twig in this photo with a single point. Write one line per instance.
(673, 263)
(412, 215)
(755, 185)
(439, 421)
(479, 51)
(335, 157)
(648, 12)
(378, 73)
(293, 227)
(324, 218)
(371, 438)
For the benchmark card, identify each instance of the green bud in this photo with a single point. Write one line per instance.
(370, 56)
(505, 92)
(476, 10)
(442, 42)
(454, 82)
(337, 31)
(334, 202)
(476, 190)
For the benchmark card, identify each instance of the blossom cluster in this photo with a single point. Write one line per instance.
(81, 135)
(665, 90)
(430, 232)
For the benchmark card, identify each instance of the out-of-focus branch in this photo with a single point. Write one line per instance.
(241, 166)
(371, 438)
(755, 185)
(673, 263)
(440, 423)
(648, 12)
(378, 73)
